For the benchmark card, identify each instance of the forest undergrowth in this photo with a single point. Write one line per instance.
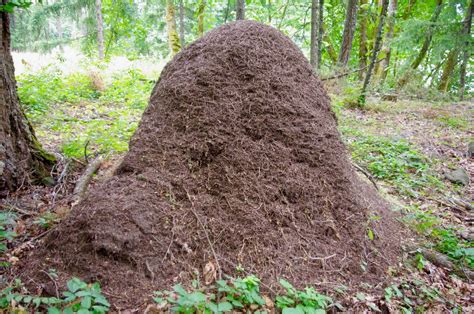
(405, 148)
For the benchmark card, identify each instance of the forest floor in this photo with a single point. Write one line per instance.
(404, 147)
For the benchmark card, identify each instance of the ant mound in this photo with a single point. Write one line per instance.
(237, 162)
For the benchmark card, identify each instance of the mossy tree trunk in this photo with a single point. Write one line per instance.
(200, 16)
(448, 70)
(377, 46)
(22, 160)
(182, 39)
(387, 50)
(362, 39)
(466, 51)
(173, 37)
(348, 34)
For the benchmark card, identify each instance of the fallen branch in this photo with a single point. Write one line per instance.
(368, 175)
(81, 184)
(442, 260)
(14, 208)
(347, 73)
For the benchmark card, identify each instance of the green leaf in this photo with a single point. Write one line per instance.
(224, 307)
(86, 302)
(370, 234)
(292, 310)
(53, 310)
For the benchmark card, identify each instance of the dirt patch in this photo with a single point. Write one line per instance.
(237, 161)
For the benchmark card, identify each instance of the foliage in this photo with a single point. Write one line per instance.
(240, 294)
(395, 161)
(306, 301)
(6, 234)
(80, 298)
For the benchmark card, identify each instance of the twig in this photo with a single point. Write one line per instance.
(368, 175)
(18, 210)
(219, 269)
(54, 281)
(86, 158)
(84, 180)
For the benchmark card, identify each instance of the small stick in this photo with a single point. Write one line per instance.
(368, 175)
(219, 270)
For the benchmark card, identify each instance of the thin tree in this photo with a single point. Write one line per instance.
(100, 28)
(200, 16)
(313, 52)
(466, 50)
(173, 38)
(448, 69)
(377, 45)
(387, 50)
(362, 38)
(181, 24)
(320, 32)
(348, 34)
(21, 157)
(240, 9)
(426, 45)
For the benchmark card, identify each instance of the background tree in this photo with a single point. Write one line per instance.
(173, 38)
(377, 45)
(348, 35)
(100, 28)
(240, 9)
(314, 50)
(466, 48)
(22, 159)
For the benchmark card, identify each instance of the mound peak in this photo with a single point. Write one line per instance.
(237, 161)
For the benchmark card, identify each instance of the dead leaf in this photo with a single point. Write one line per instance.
(209, 273)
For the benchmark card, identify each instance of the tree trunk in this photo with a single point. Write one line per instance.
(426, 45)
(392, 10)
(448, 70)
(466, 50)
(408, 9)
(100, 28)
(377, 45)
(22, 159)
(363, 39)
(240, 9)
(313, 53)
(200, 16)
(320, 32)
(182, 40)
(348, 34)
(330, 48)
(173, 38)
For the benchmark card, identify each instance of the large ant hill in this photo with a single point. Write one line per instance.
(237, 162)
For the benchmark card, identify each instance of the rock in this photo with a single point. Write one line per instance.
(470, 150)
(458, 176)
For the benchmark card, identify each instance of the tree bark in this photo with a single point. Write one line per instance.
(426, 45)
(313, 53)
(320, 32)
(387, 50)
(466, 50)
(362, 39)
(240, 9)
(200, 15)
(22, 160)
(448, 70)
(100, 28)
(181, 24)
(377, 45)
(348, 34)
(173, 38)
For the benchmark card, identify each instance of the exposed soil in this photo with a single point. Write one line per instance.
(237, 161)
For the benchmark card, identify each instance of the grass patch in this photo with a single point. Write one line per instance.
(79, 110)
(397, 162)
